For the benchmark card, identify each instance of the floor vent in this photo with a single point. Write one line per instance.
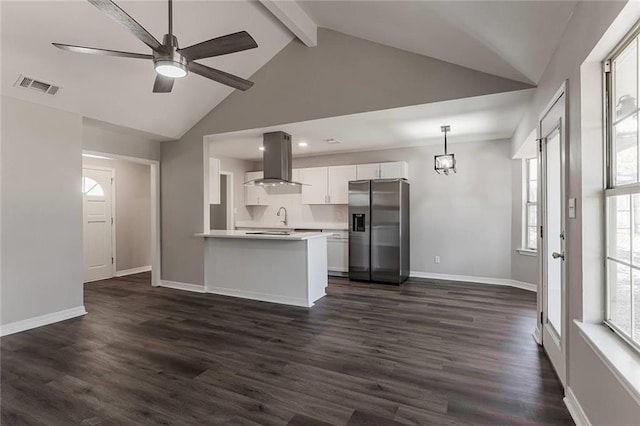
(37, 85)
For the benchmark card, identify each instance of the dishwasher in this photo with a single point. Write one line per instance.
(338, 253)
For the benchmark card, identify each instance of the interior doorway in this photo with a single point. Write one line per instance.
(221, 214)
(552, 299)
(121, 216)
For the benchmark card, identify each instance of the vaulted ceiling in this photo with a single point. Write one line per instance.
(509, 39)
(512, 39)
(119, 90)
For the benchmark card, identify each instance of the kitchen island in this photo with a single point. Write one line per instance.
(278, 267)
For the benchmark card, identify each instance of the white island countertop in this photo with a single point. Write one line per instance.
(292, 225)
(293, 236)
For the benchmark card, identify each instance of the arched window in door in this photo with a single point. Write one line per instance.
(91, 187)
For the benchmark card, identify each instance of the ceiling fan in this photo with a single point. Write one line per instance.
(169, 60)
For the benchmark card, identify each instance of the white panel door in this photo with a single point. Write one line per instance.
(394, 170)
(315, 190)
(338, 183)
(97, 202)
(368, 171)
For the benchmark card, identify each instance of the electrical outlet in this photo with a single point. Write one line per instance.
(436, 259)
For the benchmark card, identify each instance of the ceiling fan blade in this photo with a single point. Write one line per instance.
(162, 84)
(220, 76)
(224, 45)
(105, 52)
(120, 16)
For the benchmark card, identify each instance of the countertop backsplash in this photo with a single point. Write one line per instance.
(297, 213)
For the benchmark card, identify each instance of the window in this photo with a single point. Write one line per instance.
(91, 187)
(531, 204)
(623, 193)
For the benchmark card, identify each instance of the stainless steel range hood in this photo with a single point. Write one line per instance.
(276, 161)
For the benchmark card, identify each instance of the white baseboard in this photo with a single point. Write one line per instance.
(575, 409)
(263, 297)
(133, 271)
(473, 279)
(39, 321)
(182, 286)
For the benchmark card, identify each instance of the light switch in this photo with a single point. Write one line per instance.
(572, 208)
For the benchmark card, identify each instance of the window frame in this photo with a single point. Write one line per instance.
(528, 203)
(611, 189)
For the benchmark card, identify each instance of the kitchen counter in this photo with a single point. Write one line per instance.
(293, 236)
(287, 269)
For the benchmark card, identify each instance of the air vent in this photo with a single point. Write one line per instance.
(331, 141)
(37, 85)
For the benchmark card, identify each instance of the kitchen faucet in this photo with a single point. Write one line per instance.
(284, 221)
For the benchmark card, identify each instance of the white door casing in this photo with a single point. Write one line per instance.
(97, 226)
(552, 133)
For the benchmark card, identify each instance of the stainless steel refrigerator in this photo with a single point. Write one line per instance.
(379, 230)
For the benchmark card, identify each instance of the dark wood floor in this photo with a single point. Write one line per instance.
(422, 353)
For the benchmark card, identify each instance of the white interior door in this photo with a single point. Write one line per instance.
(553, 237)
(97, 202)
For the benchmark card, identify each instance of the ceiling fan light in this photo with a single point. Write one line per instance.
(172, 69)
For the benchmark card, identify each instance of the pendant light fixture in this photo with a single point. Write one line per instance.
(445, 163)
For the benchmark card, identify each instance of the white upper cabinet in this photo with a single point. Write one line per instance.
(338, 183)
(214, 181)
(254, 195)
(326, 185)
(368, 171)
(315, 190)
(394, 170)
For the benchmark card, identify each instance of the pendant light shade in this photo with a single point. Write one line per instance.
(446, 163)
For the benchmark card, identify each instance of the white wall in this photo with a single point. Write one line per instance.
(133, 211)
(41, 211)
(109, 138)
(601, 395)
(41, 221)
(463, 218)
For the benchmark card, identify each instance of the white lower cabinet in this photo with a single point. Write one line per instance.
(254, 195)
(338, 252)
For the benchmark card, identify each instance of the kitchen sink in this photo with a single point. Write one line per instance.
(268, 233)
